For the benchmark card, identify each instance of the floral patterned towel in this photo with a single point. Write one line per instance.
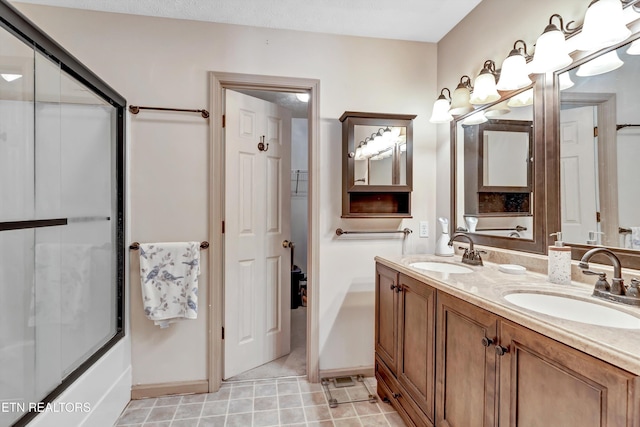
(169, 278)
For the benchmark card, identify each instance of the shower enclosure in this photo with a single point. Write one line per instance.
(61, 218)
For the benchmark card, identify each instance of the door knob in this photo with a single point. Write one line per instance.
(287, 244)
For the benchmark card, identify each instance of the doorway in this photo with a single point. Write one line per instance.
(263, 86)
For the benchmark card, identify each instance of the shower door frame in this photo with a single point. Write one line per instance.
(23, 29)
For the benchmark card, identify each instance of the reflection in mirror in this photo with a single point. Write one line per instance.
(599, 149)
(493, 171)
(377, 152)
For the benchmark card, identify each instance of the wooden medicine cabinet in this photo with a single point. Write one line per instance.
(377, 165)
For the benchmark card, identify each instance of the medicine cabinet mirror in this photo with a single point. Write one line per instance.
(377, 164)
(597, 145)
(498, 173)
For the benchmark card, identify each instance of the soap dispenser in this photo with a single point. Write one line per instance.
(442, 246)
(559, 264)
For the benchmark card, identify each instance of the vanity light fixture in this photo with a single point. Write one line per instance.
(565, 81)
(475, 119)
(522, 99)
(460, 98)
(441, 112)
(500, 109)
(634, 49)
(514, 74)
(600, 65)
(551, 48)
(603, 25)
(485, 90)
(10, 77)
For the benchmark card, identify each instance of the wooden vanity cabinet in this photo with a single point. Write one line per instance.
(546, 383)
(466, 364)
(446, 362)
(405, 345)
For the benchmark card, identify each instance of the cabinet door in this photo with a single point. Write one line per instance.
(387, 289)
(545, 383)
(466, 365)
(416, 370)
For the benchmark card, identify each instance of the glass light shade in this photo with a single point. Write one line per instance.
(475, 119)
(565, 81)
(603, 26)
(522, 99)
(551, 51)
(500, 109)
(359, 153)
(11, 77)
(514, 73)
(440, 112)
(634, 49)
(485, 90)
(302, 97)
(600, 65)
(460, 101)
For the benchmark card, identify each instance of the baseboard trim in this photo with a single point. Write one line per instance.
(367, 371)
(166, 389)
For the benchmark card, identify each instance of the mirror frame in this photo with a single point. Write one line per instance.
(629, 258)
(539, 242)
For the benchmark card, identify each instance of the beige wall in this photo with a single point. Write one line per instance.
(164, 62)
(489, 32)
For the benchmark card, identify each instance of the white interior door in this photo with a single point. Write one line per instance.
(257, 221)
(578, 174)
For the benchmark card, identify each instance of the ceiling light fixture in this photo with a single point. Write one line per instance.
(485, 90)
(514, 74)
(440, 112)
(551, 48)
(10, 77)
(603, 25)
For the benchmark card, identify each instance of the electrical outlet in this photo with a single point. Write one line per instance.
(424, 228)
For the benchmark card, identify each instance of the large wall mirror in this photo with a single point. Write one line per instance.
(498, 173)
(598, 147)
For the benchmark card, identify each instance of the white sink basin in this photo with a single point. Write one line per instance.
(441, 267)
(577, 310)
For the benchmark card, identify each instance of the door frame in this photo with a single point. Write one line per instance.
(218, 81)
(605, 104)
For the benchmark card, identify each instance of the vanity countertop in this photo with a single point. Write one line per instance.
(486, 287)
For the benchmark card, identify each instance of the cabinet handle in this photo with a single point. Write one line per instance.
(486, 342)
(396, 288)
(501, 351)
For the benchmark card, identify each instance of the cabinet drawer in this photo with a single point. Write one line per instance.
(388, 387)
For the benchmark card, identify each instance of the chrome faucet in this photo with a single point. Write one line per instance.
(470, 256)
(617, 291)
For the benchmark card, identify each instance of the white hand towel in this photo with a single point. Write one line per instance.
(169, 278)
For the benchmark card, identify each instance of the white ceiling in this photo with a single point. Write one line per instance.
(419, 20)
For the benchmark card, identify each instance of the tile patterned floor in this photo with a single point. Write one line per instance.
(281, 402)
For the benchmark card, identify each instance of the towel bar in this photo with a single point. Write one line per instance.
(135, 109)
(405, 231)
(136, 245)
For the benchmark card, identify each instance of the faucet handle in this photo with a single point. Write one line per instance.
(602, 283)
(634, 290)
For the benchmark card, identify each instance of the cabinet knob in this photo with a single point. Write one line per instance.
(486, 342)
(395, 287)
(396, 395)
(501, 351)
